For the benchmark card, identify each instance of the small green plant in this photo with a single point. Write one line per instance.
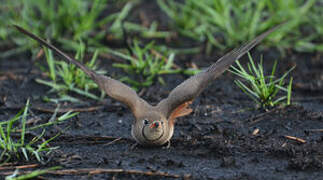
(314, 40)
(121, 22)
(21, 148)
(66, 77)
(261, 88)
(223, 24)
(60, 20)
(54, 20)
(147, 63)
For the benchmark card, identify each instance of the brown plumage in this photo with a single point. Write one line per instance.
(154, 125)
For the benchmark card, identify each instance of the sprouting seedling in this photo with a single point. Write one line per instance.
(65, 77)
(224, 23)
(20, 148)
(145, 64)
(261, 88)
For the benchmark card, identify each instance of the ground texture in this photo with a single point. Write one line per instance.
(219, 140)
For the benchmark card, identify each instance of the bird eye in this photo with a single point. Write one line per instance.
(146, 122)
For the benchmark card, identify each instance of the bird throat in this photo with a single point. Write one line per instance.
(152, 134)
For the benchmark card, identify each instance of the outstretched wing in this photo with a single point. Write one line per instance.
(115, 89)
(193, 86)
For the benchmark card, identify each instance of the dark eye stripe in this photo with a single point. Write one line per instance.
(146, 122)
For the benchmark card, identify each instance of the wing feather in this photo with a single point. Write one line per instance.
(193, 86)
(113, 88)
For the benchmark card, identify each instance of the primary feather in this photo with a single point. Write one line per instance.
(193, 86)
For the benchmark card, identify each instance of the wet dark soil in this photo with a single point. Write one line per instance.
(217, 141)
(225, 137)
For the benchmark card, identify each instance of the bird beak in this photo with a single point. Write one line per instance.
(155, 124)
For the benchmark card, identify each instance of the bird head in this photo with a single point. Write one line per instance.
(152, 126)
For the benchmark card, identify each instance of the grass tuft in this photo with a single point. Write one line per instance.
(262, 89)
(65, 77)
(13, 142)
(54, 20)
(223, 24)
(74, 20)
(148, 64)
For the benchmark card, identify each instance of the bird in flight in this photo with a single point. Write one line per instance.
(154, 125)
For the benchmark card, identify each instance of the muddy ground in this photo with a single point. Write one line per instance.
(215, 142)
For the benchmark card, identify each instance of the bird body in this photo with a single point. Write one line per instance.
(154, 125)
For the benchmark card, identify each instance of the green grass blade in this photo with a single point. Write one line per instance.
(289, 92)
(23, 123)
